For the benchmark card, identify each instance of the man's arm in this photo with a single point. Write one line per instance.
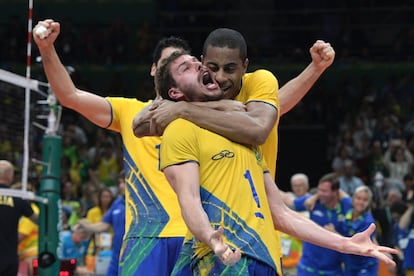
(153, 119)
(294, 90)
(184, 179)
(405, 219)
(251, 126)
(97, 227)
(95, 108)
(294, 224)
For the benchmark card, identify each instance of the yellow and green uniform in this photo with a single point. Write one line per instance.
(231, 188)
(152, 209)
(260, 85)
(152, 206)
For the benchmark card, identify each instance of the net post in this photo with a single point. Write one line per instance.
(49, 215)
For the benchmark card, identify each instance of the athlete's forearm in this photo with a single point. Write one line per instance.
(241, 127)
(196, 220)
(95, 108)
(95, 227)
(184, 179)
(294, 224)
(141, 124)
(295, 89)
(59, 79)
(405, 219)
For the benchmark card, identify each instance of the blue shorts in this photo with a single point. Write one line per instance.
(212, 265)
(149, 256)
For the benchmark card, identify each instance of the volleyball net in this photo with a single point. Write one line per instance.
(28, 110)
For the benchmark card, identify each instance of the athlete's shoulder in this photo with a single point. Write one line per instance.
(123, 100)
(259, 74)
(181, 124)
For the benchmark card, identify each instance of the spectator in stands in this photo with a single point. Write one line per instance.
(74, 245)
(406, 239)
(107, 165)
(385, 131)
(95, 215)
(398, 159)
(383, 216)
(397, 209)
(348, 181)
(327, 212)
(376, 160)
(356, 220)
(70, 201)
(408, 194)
(339, 159)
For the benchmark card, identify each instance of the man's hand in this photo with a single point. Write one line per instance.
(153, 120)
(222, 250)
(53, 30)
(311, 202)
(322, 54)
(162, 113)
(362, 244)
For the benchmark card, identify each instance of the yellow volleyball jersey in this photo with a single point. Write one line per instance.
(28, 247)
(262, 85)
(152, 208)
(231, 188)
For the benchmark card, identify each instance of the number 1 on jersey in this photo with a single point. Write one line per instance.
(248, 176)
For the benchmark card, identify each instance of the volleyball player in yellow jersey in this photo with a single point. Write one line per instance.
(154, 226)
(222, 172)
(207, 172)
(233, 196)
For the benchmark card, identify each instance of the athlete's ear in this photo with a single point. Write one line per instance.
(245, 64)
(176, 94)
(153, 69)
(201, 58)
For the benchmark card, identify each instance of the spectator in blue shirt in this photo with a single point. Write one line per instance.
(74, 245)
(405, 237)
(359, 219)
(329, 211)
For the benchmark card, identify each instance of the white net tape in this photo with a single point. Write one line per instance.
(23, 194)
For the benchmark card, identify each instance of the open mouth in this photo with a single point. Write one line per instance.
(206, 78)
